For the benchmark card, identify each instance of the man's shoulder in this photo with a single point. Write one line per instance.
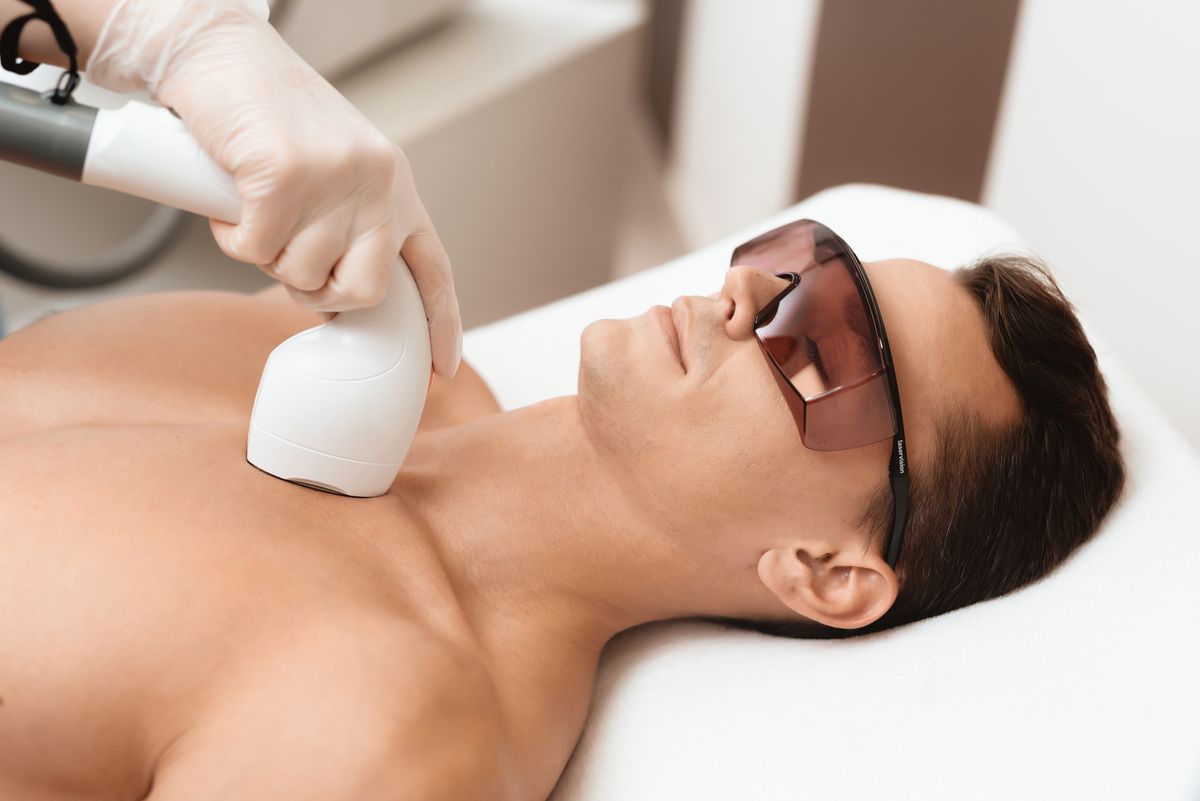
(445, 736)
(426, 719)
(402, 714)
(398, 680)
(435, 689)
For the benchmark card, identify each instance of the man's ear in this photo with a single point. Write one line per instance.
(840, 586)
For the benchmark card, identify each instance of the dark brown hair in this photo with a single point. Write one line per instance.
(996, 509)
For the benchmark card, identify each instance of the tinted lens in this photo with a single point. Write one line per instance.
(822, 338)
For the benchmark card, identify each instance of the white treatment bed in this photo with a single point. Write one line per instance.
(1083, 686)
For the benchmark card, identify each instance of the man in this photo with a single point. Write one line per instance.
(176, 625)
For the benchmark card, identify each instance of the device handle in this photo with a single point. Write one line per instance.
(147, 151)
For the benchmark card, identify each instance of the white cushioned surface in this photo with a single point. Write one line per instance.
(1085, 685)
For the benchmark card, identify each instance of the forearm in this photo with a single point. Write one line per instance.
(84, 18)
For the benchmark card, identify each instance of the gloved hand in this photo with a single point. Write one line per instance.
(327, 200)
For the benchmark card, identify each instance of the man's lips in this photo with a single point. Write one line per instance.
(666, 318)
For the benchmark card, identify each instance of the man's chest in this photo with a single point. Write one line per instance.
(142, 586)
(149, 598)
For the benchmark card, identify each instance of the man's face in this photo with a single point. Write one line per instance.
(686, 405)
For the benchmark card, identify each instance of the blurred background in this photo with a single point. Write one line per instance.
(561, 143)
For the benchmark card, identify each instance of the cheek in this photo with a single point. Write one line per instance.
(747, 423)
(734, 450)
(714, 454)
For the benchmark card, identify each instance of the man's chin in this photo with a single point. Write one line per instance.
(597, 351)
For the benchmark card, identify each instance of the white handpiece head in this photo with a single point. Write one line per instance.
(337, 405)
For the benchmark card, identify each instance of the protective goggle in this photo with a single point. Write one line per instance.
(825, 338)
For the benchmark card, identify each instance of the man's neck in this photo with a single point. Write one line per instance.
(543, 558)
(532, 532)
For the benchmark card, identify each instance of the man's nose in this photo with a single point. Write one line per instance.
(749, 290)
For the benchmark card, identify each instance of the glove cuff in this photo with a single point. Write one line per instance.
(140, 38)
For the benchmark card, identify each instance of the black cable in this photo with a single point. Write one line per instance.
(10, 41)
(156, 235)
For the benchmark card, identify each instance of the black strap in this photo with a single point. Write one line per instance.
(10, 41)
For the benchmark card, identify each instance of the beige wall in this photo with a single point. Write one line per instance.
(763, 102)
(906, 94)
(738, 112)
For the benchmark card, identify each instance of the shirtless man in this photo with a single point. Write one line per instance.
(175, 624)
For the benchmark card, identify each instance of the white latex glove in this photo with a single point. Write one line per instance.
(327, 200)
